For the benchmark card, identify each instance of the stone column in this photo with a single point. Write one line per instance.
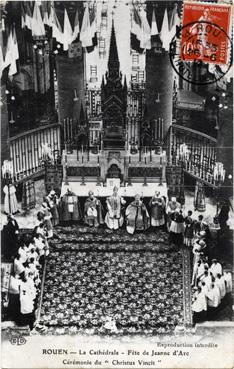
(5, 143)
(225, 136)
(159, 71)
(159, 87)
(70, 73)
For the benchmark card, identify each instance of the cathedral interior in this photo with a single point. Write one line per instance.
(87, 107)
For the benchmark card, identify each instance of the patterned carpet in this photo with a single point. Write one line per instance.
(140, 282)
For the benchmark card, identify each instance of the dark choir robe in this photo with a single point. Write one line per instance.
(70, 208)
(10, 236)
(189, 231)
(202, 226)
(176, 228)
(93, 212)
(137, 217)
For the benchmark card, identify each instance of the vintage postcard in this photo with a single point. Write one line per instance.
(117, 210)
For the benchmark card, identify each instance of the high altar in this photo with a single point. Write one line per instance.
(130, 157)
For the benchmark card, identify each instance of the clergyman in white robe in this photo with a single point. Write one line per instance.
(114, 218)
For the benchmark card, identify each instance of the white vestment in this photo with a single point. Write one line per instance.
(13, 201)
(215, 269)
(213, 297)
(26, 300)
(200, 304)
(228, 280)
(18, 266)
(220, 283)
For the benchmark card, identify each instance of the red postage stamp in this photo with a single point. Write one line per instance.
(205, 33)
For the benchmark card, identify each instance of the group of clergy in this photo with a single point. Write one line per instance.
(136, 214)
(182, 228)
(210, 289)
(25, 279)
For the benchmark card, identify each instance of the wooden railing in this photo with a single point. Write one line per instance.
(202, 158)
(26, 149)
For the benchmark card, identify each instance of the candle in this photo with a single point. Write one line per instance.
(64, 129)
(71, 129)
(67, 126)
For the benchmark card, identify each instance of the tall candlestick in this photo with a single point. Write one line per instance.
(71, 129)
(67, 126)
(64, 130)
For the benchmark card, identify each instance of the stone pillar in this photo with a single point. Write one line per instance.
(5, 143)
(70, 72)
(159, 71)
(225, 136)
(5, 146)
(159, 87)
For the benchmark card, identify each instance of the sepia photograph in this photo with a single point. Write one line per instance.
(117, 210)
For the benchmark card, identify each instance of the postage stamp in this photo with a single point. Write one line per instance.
(205, 33)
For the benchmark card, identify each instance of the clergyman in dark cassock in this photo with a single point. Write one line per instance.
(157, 205)
(70, 207)
(93, 211)
(137, 216)
(10, 236)
(189, 229)
(52, 201)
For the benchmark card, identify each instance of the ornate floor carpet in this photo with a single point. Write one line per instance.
(140, 283)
